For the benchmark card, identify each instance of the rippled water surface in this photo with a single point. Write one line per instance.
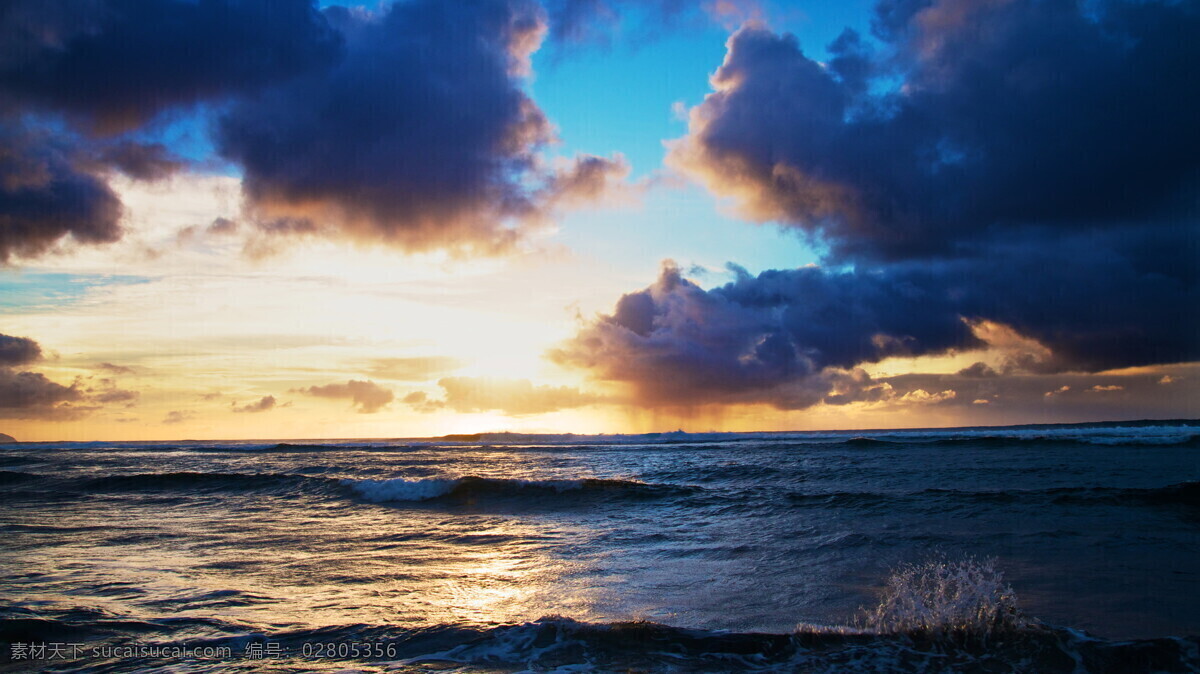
(1095, 528)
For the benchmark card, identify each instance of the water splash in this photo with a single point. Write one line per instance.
(941, 598)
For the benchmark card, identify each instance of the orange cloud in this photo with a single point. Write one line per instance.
(517, 397)
(367, 396)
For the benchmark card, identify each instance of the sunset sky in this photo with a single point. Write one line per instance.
(227, 219)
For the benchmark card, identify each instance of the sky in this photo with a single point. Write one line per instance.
(241, 219)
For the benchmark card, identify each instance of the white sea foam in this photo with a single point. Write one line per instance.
(400, 489)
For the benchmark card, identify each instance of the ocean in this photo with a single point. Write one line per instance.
(1049, 548)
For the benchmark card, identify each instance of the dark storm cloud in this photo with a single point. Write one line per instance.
(46, 194)
(141, 161)
(1026, 164)
(15, 351)
(30, 395)
(1049, 115)
(784, 337)
(790, 338)
(110, 66)
(114, 64)
(406, 125)
(367, 396)
(420, 137)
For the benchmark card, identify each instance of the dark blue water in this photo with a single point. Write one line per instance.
(673, 551)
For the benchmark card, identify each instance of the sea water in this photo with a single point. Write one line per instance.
(1055, 548)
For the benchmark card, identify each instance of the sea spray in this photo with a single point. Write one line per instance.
(940, 598)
